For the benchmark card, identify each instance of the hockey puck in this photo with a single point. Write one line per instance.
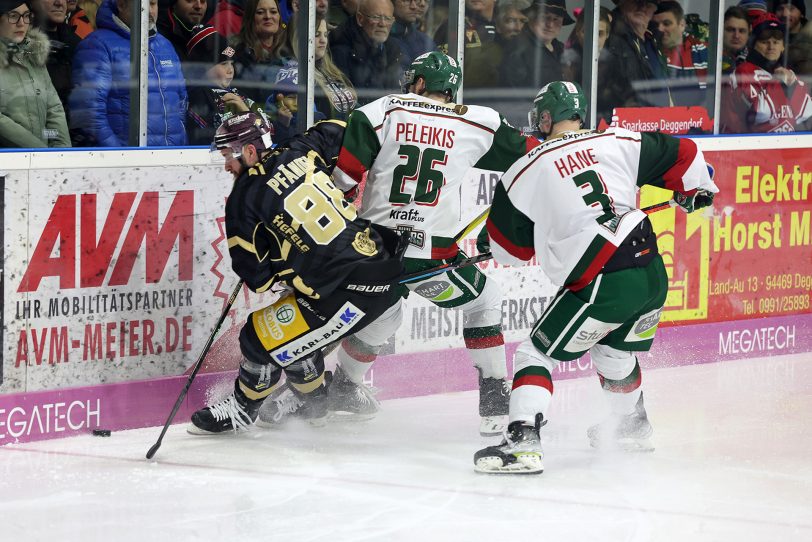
(101, 432)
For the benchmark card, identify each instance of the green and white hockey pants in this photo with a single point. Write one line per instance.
(612, 317)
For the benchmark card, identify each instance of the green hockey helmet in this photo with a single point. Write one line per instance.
(563, 100)
(440, 72)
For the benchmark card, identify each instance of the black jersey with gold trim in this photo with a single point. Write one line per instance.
(287, 222)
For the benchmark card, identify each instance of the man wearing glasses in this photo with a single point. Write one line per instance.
(364, 50)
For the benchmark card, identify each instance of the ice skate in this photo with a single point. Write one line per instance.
(286, 403)
(519, 453)
(629, 433)
(350, 401)
(494, 401)
(235, 413)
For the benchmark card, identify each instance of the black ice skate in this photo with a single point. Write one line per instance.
(630, 433)
(234, 413)
(519, 453)
(286, 403)
(351, 401)
(494, 401)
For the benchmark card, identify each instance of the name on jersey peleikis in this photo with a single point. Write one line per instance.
(433, 136)
(288, 173)
(289, 233)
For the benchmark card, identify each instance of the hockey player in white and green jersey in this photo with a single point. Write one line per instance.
(571, 203)
(413, 150)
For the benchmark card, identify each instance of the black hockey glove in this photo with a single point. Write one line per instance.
(483, 242)
(693, 200)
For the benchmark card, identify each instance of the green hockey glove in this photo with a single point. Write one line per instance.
(483, 243)
(693, 200)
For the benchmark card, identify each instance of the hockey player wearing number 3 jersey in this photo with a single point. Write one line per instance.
(415, 149)
(571, 202)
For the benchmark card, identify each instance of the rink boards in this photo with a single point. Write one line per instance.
(115, 268)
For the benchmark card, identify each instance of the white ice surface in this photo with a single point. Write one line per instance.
(732, 463)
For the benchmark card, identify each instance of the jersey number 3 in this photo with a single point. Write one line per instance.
(597, 197)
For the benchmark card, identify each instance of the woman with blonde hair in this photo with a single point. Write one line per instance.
(335, 95)
(261, 48)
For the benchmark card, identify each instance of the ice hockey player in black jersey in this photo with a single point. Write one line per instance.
(287, 224)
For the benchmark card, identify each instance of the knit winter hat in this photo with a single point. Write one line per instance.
(8, 5)
(800, 4)
(765, 22)
(208, 46)
(754, 8)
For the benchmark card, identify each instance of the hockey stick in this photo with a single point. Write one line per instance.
(198, 365)
(658, 206)
(472, 226)
(419, 275)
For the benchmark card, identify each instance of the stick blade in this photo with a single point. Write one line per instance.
(151, 452)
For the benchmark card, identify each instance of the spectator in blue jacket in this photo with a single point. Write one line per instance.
(100, 101)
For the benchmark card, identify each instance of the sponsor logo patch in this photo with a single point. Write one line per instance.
(645, 327)
(416, 237)
(341, 323)
(278, 323)
(588, 334)
(436, 290)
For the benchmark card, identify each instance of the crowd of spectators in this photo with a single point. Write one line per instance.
(65, 64)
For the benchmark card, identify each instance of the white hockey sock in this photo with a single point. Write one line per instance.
(491, 361)
(353, 368)
(527, 401)
(622, 404)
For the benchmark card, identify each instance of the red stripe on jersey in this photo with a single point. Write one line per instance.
(685, 157)
(476, 343)
(594, 268)
(350, 165)
(534, 380)
(445, 253)
(523, 253)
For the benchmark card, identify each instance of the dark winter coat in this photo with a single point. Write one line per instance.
(31, 115)
(63, 41)
(100, 103)
(367, 64)
(175, 30)
(634, 83)
(527, 63)
(411, 40)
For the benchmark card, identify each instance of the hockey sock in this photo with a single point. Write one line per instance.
(624, 393)
(531, 394)
(257, 380)
(486, 346)
(356, 357)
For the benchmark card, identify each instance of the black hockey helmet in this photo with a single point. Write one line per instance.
(243, 129)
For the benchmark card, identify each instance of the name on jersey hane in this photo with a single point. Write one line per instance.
(575, 161)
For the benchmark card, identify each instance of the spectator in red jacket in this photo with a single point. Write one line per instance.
(763, 95)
